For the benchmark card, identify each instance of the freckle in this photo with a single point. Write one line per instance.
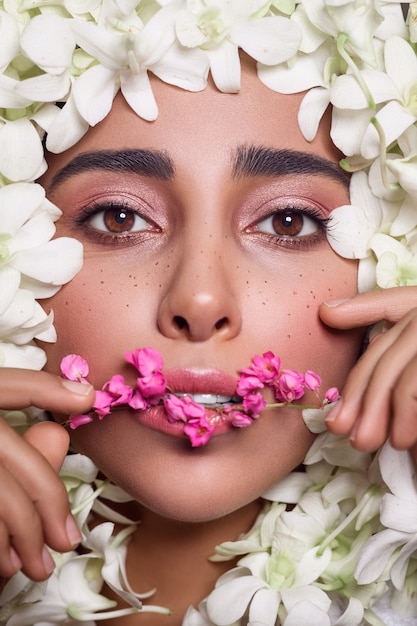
(135, 285)
(102, 282)
(295, 293)
(288, 336)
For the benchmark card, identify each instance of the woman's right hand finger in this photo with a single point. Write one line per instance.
(34, 509)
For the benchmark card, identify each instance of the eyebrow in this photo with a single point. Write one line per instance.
(262, 161)
(153, 163)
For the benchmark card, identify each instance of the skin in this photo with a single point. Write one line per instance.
(210, 263)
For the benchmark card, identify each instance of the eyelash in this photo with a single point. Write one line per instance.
(291, 242)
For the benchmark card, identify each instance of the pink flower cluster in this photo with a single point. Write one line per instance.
(151, 390)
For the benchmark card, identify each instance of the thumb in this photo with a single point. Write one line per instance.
(51, 440)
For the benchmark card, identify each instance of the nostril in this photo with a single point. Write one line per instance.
(220, 323)
(180, 322)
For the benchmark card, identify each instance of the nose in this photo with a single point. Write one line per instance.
(199, 303)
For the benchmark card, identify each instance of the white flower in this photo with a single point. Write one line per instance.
(398, 515)
(220, 28)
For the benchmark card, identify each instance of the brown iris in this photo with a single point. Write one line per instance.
(118, 220)
(289, 223)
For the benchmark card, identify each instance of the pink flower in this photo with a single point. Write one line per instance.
(146, 360)
(74, 367)
(152, 387)
(332, 394)
(312, 380)
(254, 403)
(240, 420)
(102, 403)
(248, 383)
(183, 409)
(117, 388)
(199, 431)
(289, 386)
(79, 420)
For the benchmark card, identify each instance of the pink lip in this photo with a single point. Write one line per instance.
(211, 381)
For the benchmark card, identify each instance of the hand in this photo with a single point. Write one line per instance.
(34, 509)
(379, 399)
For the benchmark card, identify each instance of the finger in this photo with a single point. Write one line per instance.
(21, 531)
(34, 487)
(404, 408)
(369, 383)
(51, 440)
(368, 308)
(20, 388)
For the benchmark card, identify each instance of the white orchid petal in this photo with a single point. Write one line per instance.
(400, 567)
(394, 121)
(348, 129)
(56, 263)
(398, 471)
(375, 554)
(311, 111)
(53, 53)
(289, 489)
(382, 244)
(187, 69)
(29, 357)
(9, 37)
(399, 513)
(400, 63)
(45, 88)
(348, 94)
(9, 98)
(366, 275)
(298, 613)
(293, 78)
(352, 615)
(17, 203)
(225, 66)
(264, 607)
(67, 128)
(313, 596)
(270, 40)
(405, 172)
(227, 603)
(137, 91)
(406, 218)
(24, 155)
(93, 93)
(350, 229)
(106, 46)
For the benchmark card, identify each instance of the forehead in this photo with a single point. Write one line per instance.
(202, 130)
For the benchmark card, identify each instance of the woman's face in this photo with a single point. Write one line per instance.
(188, 250)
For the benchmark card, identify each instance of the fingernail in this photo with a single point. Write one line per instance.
(48, 561)
(73, 532)
(334, 303)
(81, 389)
(334, 412)
(17, 563)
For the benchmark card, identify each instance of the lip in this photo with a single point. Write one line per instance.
(208, 381)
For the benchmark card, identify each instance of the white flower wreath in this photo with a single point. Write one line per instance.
(352, 531)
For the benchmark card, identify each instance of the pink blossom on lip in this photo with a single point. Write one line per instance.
(121, 392)
(152, 387)
(240, 420)
(74, 367)
(146, 360)
(247, 383)
(79, 420)
(289, 386)
(254, 403)
(332, 394)
(199, 431)
(183, 409)
(312, 380)
(102, 403)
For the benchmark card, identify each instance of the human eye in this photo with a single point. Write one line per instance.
(114, 220)
(292, 225)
